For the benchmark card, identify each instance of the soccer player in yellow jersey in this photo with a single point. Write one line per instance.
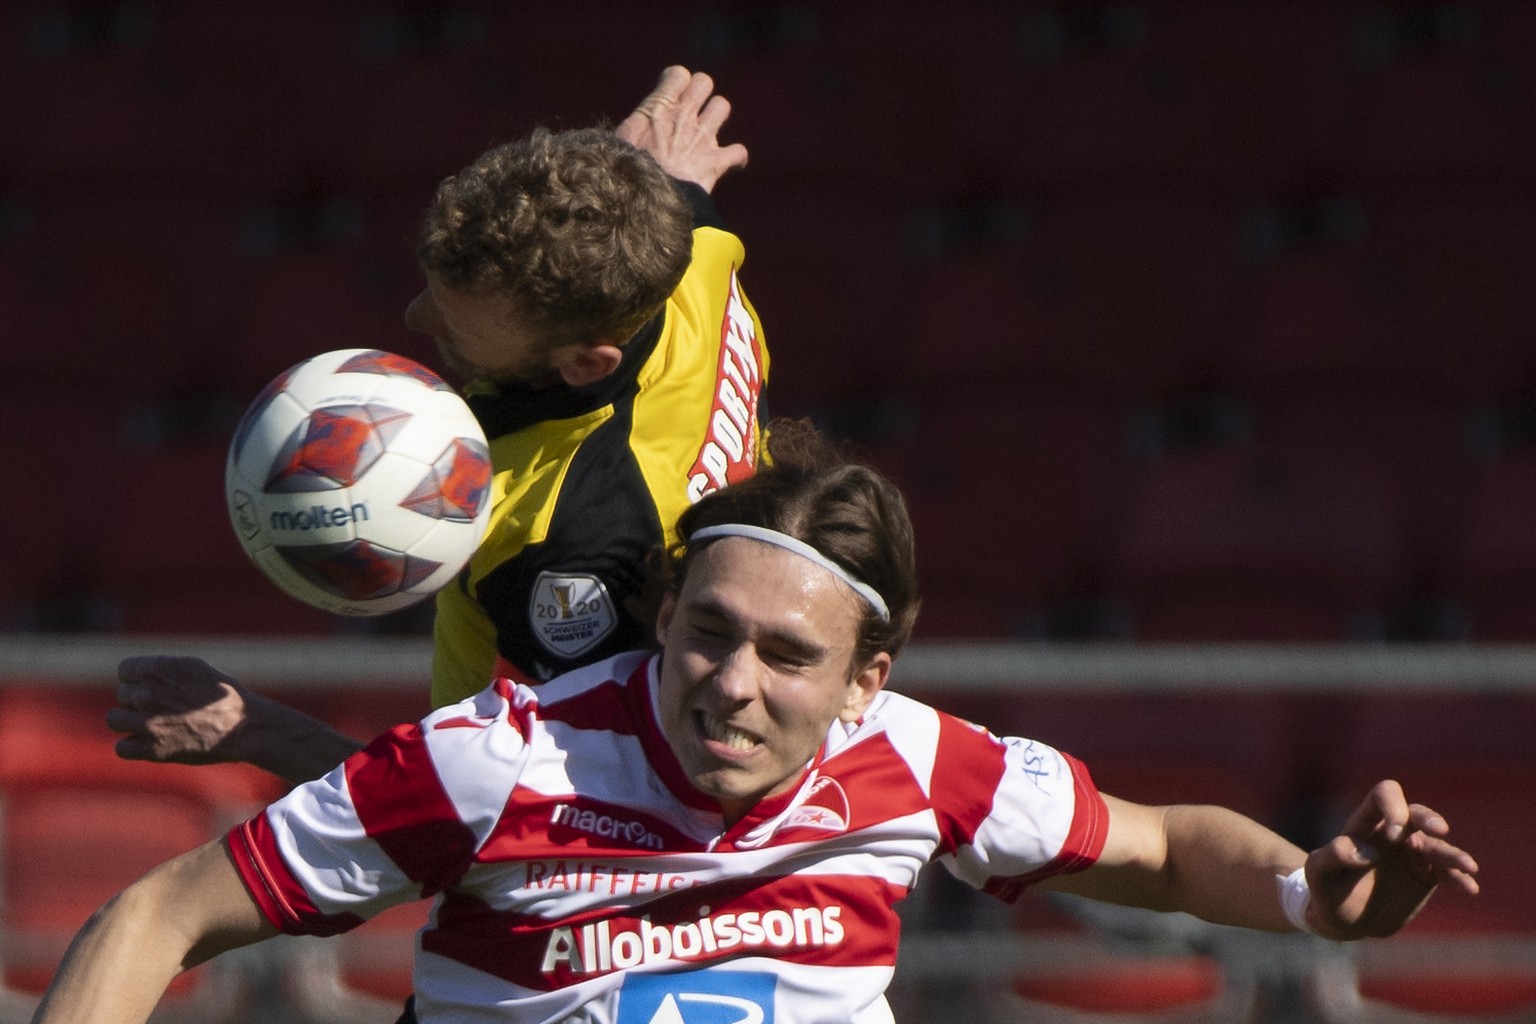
(582, 287)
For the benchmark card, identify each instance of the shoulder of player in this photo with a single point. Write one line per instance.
(710, 280)
(932, 742)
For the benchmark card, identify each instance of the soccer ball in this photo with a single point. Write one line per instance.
(359, 482)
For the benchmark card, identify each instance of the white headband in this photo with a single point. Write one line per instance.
(800, 548)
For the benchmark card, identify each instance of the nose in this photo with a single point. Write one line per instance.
(737, 675)
(422, 315)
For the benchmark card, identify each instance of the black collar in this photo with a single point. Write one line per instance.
(516, 406)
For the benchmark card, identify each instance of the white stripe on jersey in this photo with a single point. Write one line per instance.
(315, 822)
(478, 755)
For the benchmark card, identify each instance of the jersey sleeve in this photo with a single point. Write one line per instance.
(1013, 811)
(400, 820)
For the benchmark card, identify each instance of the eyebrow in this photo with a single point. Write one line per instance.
(793, 643)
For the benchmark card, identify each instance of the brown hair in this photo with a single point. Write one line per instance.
(586, 233)
(812, 491)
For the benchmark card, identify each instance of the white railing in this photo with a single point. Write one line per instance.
(354, 662)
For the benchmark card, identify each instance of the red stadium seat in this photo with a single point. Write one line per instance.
(1131, 297)
(532, 46)
(1408, 981)
(1110, 987)
(413, 122)
(1493, 563)
(73, 832)
(127, 111)
(48, 731)
(196, 578)
(1417, 444)
(49, 462)
(1321, 319)
(830, 89)
(829, 331)
(1444, 98)
(1010, 500)
(1216, 97)
(1431, 300)
(1221, 545)
(136, 310)
(56, 875)
(428, 91)
(299, 304)
(1463, 262)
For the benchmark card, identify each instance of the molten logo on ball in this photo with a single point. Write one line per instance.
(359, 482)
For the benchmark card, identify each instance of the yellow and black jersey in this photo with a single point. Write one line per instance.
(588, 481)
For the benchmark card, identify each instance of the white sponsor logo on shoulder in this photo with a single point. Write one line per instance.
(570, 612)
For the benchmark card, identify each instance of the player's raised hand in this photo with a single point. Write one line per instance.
(679, 124)
(177, 709)
(1373, 877)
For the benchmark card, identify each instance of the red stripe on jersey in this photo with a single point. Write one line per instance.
(1085, 837)
(826, 920)
(603, 707)
(963, 799)
(624, 708)
(272, 886)
(401, 804)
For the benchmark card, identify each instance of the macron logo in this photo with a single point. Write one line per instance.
(605, 827)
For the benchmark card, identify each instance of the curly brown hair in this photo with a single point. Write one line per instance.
(586, 234)
(810, 489)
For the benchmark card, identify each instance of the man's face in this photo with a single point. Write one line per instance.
(478, 336)
(757, 664)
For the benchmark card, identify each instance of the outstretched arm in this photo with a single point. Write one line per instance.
(679, 124)
(185, 711)
(1208, 861)
(1226, 868)
(180, 914)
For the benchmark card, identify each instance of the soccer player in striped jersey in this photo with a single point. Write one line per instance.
(728, 822)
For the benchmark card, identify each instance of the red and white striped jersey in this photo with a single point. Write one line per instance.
(579, 877)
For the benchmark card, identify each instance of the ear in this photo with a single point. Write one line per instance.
(581, 364)
(664, 616)
(864, 686)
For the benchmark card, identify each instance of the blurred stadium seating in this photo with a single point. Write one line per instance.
(1228, 545)
(1493, 557)
(77, 824)
(1177, 322)
(1120, 203)
(1149, 988)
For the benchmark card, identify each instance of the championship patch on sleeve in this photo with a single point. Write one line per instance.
(570, 613)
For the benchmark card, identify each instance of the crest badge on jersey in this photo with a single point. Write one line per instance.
(825, 808)
(697, 997)
(570, 613)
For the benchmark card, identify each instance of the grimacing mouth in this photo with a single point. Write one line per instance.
(722, 732)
